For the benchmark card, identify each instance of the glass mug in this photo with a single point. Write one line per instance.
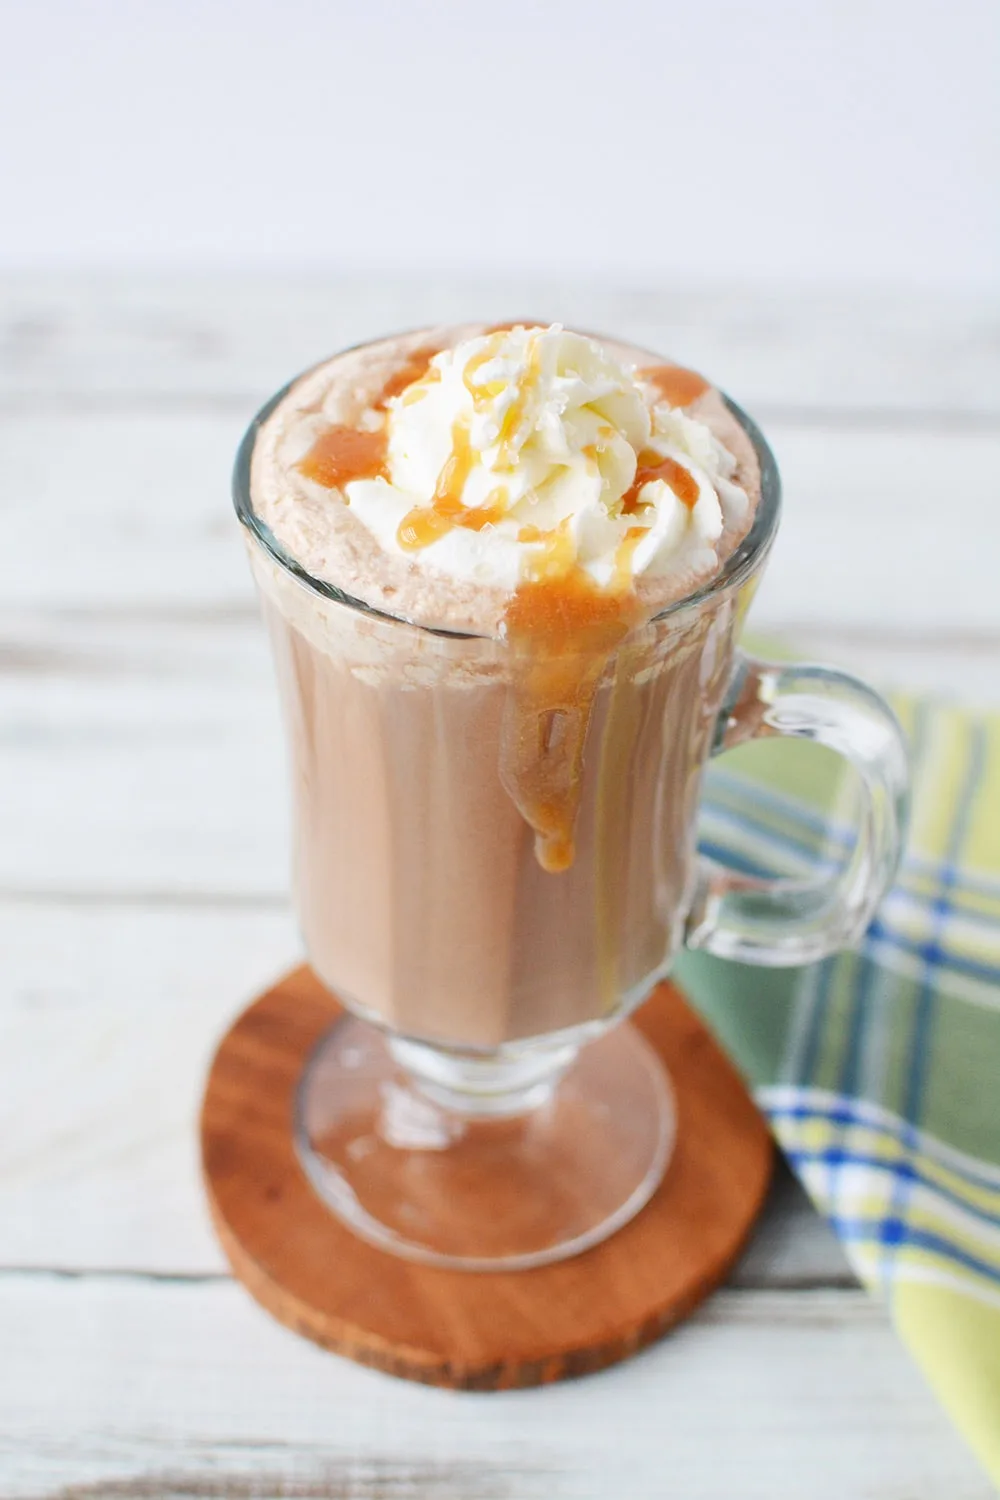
(483, 1102)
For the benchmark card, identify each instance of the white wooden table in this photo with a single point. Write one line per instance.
(143, 897)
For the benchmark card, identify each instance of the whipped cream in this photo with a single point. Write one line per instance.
(517, 437)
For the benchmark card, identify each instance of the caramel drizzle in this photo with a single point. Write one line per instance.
(652, 466)
(424, 524)
(341, 454)
(416, 368)
(482, 393)
(621, 579)
(515, 413)
(674, 383)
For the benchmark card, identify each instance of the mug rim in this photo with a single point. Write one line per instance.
(739, 566)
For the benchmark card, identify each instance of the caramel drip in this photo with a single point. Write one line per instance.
(514, 415)
(428, 523)
(653, 466)
(417, 366)
(341, 454)
(561, 630)
(675, 384)
(424, 524)
(482, 393)
(622, 577)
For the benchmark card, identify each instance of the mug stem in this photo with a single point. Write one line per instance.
(490, 1086)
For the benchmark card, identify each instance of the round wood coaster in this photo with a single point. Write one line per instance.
(474, 1330)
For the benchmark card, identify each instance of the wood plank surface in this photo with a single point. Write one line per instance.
(862, 357)
(122, 1388)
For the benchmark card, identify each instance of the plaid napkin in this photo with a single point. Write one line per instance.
(879, 1070)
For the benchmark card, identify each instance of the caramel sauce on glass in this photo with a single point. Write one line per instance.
(561, 629)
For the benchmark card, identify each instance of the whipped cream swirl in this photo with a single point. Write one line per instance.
(514, 438)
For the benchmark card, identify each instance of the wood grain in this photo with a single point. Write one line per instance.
(143, 340)
(126, 1389)
(473, 1331)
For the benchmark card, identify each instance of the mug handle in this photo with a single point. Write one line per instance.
(786, 921)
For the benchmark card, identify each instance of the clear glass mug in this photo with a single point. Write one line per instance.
(483, 1103)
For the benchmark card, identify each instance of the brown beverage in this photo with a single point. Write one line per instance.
(497, 764)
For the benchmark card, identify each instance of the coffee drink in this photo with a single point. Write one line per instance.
(499, 572)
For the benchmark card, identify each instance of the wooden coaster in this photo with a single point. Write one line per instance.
(474, 1330)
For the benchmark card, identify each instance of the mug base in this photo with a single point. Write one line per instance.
(478, 1191)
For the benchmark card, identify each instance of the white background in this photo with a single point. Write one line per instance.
(854, 141)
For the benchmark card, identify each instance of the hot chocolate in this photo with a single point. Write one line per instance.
(500, 674)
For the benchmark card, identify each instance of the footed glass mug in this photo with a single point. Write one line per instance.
(483, 1102)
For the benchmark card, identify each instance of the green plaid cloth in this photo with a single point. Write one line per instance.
(879, 1070)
